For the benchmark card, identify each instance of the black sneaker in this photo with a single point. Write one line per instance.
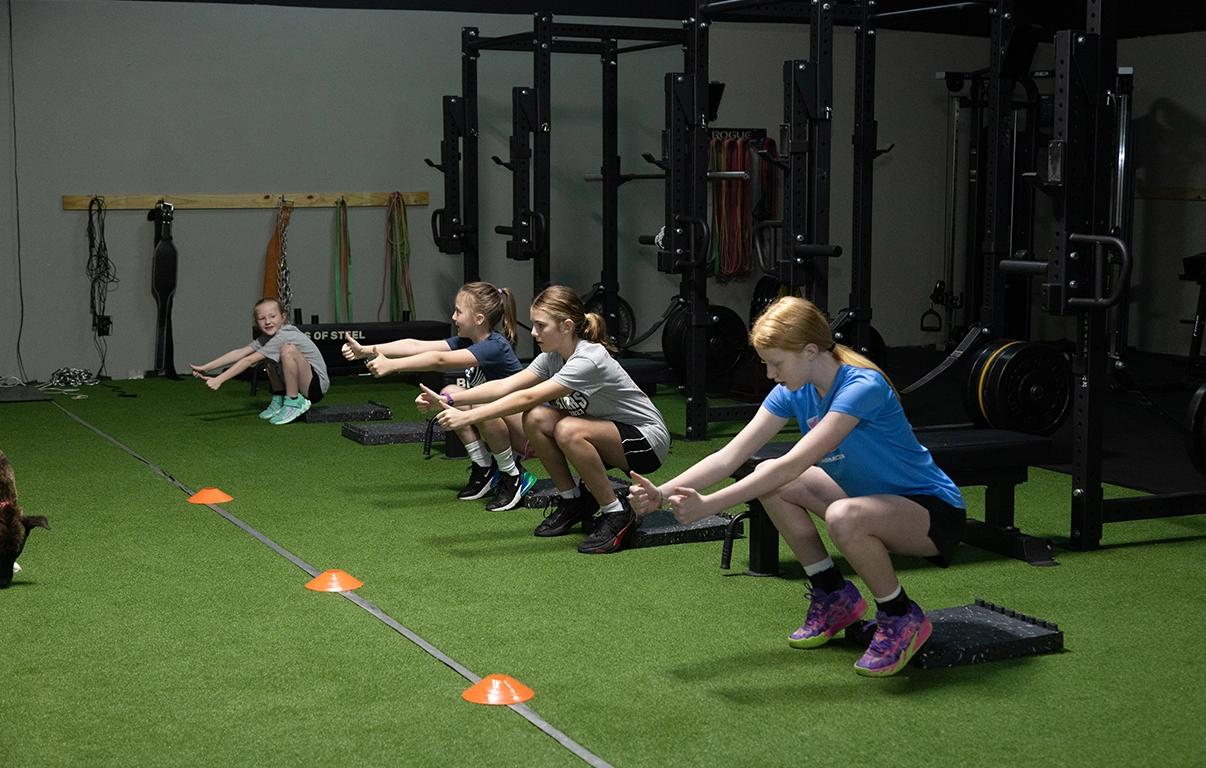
(611, 531)
(568, 513)
(510, 489)
(481, 480)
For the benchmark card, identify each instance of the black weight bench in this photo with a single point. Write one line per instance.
(997, 459)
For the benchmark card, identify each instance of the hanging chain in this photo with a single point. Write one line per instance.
(283, 289)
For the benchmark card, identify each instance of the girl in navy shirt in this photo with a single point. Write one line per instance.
(857, 468)
(486, 355)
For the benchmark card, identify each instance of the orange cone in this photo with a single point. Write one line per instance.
(333, 581)
(497, 689)
(210, 496)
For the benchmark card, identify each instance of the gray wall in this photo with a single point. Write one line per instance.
(177, 98)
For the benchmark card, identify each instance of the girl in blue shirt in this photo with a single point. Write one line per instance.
(857, 468)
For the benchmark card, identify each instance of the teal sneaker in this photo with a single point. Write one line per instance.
(274, 407)
(292, 410)
(510, 490)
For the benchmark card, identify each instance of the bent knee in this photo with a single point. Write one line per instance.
(844, 519)
(539, 419)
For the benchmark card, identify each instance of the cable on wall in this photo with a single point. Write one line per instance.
(12, 94)
(101, 274)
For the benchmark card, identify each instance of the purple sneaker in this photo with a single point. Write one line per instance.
(830, 613)
(896, 640)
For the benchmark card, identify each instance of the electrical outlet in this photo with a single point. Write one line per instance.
(104, 325)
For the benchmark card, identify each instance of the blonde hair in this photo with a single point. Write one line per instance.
(563, 303)
(496, 305)
(792, 323)
(255, 311)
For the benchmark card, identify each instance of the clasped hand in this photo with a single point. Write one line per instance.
(686, 504)
(199, 373)
(449, 416)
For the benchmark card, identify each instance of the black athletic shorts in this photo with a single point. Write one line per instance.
(315, 393)
(946, 527)
(642, 459)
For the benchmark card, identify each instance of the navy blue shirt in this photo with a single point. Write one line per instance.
(495, 358)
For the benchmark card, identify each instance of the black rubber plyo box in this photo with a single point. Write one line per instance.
(372, 433)
(370, 411)
(974, 634)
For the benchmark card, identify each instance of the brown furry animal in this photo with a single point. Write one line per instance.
(14, 526)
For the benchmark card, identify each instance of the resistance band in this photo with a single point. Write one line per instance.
(276, 264)
(397, 263)
(732, 222)
(343, 265)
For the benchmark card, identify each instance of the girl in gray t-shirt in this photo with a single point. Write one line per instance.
(297, 371)
(580, 407)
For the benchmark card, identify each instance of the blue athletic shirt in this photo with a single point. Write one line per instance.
(495, 358)
(881, 454)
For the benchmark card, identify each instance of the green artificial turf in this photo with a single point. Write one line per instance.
(149, 631)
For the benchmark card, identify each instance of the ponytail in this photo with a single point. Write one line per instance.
(562, 303)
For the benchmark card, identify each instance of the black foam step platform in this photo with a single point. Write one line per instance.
(659, 527)
(974, 634)
(388, 434)
(370, 411)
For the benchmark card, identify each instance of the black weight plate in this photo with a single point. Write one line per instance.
(1195, 441)
(1020, 386)
(766, 292)
(726, 341)
(622, 329)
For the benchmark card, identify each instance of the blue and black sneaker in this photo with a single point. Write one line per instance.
(481, 480)
(510, 490)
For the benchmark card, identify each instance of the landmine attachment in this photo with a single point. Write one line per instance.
(370, 411)
(659, 527)
(973, 634)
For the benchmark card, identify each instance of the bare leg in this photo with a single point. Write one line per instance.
(788, 509)
(587, 443)
(296, 370)
(864, 529)
(468, 435)
(539, 424)
(274, 376)
(867, 528)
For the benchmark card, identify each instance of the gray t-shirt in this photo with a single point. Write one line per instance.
(603, 389)
(270, 347)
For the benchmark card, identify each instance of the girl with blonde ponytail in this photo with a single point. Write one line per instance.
(857, 468)
(581, 408)
(485, 355)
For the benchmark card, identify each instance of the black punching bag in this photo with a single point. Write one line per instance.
(163, 287)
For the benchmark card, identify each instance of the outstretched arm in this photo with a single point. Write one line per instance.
(423, 361)
(354, 350)
(240, 365)
(516, 400)
(226, 359)
(647, 496)
(689, 505)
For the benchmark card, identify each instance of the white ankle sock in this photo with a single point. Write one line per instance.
(506, 462)
(815, 568)
(480, 454)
